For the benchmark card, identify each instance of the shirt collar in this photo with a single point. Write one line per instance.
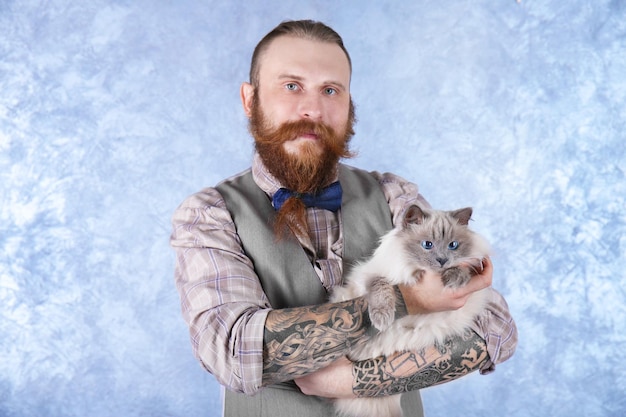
(262, 177)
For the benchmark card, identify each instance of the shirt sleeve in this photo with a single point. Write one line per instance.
(400, 194)
(221, 297)
(496, 325)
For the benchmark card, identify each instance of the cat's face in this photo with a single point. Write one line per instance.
(437, 240)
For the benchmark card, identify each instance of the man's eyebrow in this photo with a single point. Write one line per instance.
(287, 76)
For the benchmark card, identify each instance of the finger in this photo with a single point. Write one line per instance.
(486, 263)
(482, 267)
(479, 281)
(475, 265)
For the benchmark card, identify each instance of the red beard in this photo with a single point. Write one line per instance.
(306, 172)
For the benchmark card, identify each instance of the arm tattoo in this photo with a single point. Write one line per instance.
(408, 371)
(298, 341)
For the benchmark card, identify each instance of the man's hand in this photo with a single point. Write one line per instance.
(430, 295)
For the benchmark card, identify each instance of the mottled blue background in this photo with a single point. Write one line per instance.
(113, 111)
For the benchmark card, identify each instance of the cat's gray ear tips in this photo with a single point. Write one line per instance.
(413, 215)
(463, 215)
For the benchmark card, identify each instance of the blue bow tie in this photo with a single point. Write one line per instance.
(329, 198)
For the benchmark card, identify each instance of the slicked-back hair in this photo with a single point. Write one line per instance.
(303, 29)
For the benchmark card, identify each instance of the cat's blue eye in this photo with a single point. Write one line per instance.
(453, 245)
(427, 244)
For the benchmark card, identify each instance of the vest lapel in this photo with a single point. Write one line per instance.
(365, 215)
(283, 267)
(285, 272)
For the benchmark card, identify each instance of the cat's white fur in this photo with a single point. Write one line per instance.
(412, 332)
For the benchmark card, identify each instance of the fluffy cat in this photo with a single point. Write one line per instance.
(426, 239)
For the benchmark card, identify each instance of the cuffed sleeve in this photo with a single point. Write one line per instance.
(497, 327)
(221, 298)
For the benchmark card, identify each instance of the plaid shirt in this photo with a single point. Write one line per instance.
(222, 299)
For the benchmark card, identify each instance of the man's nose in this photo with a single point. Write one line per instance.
(311, 107)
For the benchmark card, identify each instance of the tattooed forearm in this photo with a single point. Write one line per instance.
(300, 340)
(408, 371)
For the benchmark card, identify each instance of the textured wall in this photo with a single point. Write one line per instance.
(111, 112)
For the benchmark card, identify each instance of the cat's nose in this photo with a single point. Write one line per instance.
(442, 261)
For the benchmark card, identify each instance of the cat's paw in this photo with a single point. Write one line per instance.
(456, 277)
(382, 317)
(418, 274)
(381, 299)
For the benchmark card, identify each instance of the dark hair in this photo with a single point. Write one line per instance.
(304, 29)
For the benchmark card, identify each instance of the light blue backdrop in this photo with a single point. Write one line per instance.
(112, 112)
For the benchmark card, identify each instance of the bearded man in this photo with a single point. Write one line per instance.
(258, 253)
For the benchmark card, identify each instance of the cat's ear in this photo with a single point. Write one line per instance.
(463, 215)
(413, 215)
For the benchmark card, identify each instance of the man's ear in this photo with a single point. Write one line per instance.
(247, 95)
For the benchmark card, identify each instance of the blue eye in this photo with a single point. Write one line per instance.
(330, 91)
(427, 244)
(291, 86)
(453, 245)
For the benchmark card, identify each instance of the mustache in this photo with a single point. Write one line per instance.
(291, 130)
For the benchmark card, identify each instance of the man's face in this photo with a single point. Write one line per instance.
(301, 113)
(303, 79)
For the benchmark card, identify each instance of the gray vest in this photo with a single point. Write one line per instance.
(289, 280)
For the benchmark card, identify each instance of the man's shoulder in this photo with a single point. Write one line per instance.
(381, 177)
(350, 169)
(234, 178)
(211, 196)
(353, 168)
